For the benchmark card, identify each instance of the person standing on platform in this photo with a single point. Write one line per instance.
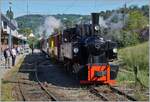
(18, 50)
(7, 55)
(14, 53)
(32, 48)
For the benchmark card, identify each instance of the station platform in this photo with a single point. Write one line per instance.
(3, 68)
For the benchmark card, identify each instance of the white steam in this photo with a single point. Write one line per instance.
(102, 22)
(113, 25)
(50, 24)
(120, 21)
(116, 26)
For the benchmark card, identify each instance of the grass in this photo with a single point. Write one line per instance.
(125, 77)
(6, 86)
(135, 56)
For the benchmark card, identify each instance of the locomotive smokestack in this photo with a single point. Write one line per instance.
(95, 23)
(95, 18)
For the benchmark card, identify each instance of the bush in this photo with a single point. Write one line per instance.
(124, 38)
(136, 56)
(128, 38)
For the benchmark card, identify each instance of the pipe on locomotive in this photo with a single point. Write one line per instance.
(95, 23)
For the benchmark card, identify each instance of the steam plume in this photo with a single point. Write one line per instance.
(102, 22)
(49, 25)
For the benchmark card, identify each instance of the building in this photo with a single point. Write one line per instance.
(6, 26)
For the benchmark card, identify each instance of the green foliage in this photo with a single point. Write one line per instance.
(25, 31)
(136, 56)
(10, 14)
(128, 38)
(34, 42)
(125, 77)
(145, 10)
(136, 20)
(124, 37)
(34, 21)
(130, 34)
(30, 21)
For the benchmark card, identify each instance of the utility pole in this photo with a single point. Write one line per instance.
(124, 13)
(10, 36)
(9, 14)
(27, 7)
(0, 29)
(0, 40)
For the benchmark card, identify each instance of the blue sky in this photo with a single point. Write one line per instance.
(65, 6)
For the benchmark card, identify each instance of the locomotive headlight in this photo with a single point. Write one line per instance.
(97, 28)
(76, 50)
(115, 50)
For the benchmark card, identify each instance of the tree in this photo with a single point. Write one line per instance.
(102, 13)
(145, 10)
(134, 7)
(136, 21)
(25, 31)
(10, 14)
(107, 14)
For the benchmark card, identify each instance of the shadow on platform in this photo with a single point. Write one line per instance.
(47, 71)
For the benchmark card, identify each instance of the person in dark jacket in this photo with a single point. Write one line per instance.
(7, 55)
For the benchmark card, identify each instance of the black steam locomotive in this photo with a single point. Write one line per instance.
(85, 53)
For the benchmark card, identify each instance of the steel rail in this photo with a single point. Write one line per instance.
(98, 94)
(122, 93)
(50, 95)
(54, 98)
(21, 92)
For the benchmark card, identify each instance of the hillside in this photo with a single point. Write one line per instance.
(30, 21)
(34, 21)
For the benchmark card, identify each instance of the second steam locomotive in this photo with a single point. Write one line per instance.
(84, 52)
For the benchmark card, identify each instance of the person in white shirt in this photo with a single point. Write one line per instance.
(13, 53)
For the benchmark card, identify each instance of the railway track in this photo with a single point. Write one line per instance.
(110, 93)
(122, 93)
(105, 92)
(98, 94)
(38, 88)
(21, 92)
(50, 94)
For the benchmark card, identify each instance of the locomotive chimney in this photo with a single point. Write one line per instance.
(95, 18)
(95, 23)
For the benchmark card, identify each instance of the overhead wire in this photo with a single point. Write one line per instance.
(94, 4)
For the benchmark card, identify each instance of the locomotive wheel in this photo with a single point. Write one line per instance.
(76, 67)
(75, 70)
(67, 67)
(70, 68)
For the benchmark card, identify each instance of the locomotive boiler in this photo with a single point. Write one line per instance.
(85, 53)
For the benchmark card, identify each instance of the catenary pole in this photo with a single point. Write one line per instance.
(10, 36)
(0, 29)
